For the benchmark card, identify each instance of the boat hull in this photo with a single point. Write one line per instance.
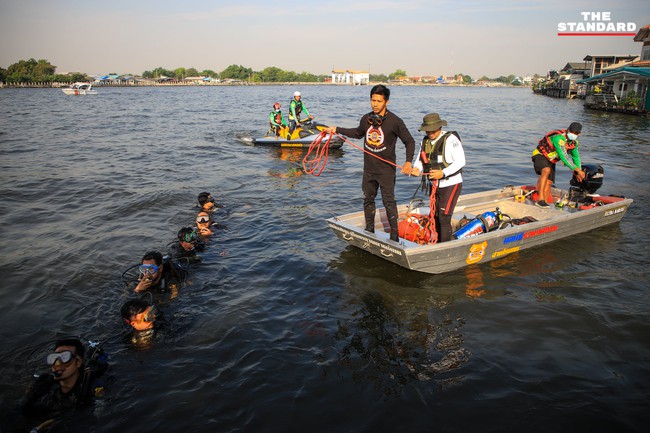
(77, 92)
(552, 224)
(305, 142)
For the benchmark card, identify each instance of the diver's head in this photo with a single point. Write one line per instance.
(296, 95)
(203, 223)
(187, 237)
(139, 314)
(151, 266)
(276, 106)
(67, 358)
(206, 201)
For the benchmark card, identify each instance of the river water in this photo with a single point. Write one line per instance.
(283, 327)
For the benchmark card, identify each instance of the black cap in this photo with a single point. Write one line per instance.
(575, 127)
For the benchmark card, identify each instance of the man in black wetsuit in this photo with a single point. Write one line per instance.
(156, 275)
(72, 383)
(380, 129)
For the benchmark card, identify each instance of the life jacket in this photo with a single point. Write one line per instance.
(436, 152)
(298, 109)
(277, 116)
(545, 147)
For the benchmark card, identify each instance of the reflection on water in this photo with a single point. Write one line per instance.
(389, 343)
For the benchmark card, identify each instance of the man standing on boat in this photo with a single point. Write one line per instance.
(380, 129)
(553, 147)
(441, 158)
(296, 108)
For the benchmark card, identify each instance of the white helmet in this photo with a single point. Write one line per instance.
(296, 93)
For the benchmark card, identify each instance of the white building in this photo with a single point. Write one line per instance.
(350, 77)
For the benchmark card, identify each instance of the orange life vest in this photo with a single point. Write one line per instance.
(545, 147)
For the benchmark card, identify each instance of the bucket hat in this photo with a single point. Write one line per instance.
(432, 122)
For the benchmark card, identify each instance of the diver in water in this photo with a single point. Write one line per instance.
(159, 275)
(141, 318)
(73, 382)
(206, 202)
(139, 314)
(204, 224)
(187, 245)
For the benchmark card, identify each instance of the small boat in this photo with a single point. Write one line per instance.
(303, 136)
(80, 89)
(519, 224)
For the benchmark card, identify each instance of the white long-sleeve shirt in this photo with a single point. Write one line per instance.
(454, 153)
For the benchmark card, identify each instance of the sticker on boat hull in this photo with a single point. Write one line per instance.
(530, 234)
(615, 211)
(476, 253)
(505, 252)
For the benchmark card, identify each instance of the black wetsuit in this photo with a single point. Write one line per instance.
(172, 276)
(45, 400)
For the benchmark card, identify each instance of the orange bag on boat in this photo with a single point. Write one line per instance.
(415, 229)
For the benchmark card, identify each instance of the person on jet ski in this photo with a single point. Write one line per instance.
(277, 120)
(296, 108)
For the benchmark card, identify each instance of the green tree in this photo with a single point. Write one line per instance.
(180, 73)
(398, 73)
(158, 72)
(25, 71)
(192, 72)
(307, 77)
(43, 70)
(378, 78)
(270, 75)
(208, 73)
(71, 78)
(237, 72)
(3, 75)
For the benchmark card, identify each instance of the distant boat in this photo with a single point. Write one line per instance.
(80, 89)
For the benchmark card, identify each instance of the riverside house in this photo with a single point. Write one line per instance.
(622, 86)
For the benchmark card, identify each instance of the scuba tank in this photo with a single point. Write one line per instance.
(483, 223)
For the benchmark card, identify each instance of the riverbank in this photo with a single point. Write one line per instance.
(42, 85)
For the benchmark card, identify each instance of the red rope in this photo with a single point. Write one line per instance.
(432, 207)
(317, 163)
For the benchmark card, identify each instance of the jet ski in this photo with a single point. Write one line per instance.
(302, 136)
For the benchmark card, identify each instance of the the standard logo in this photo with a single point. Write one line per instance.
(596, 24)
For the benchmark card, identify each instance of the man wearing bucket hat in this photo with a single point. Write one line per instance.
(380, 129)
(441, 158)
(553, 147)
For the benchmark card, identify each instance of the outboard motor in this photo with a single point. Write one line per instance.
(593, 180)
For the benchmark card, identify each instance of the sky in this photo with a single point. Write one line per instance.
(422, 37)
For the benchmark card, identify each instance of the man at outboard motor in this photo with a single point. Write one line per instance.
(557, 145)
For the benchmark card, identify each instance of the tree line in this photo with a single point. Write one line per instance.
(35, 71)
(30, 71)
